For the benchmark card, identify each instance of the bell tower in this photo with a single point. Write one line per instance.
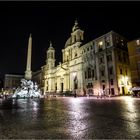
(50, 62)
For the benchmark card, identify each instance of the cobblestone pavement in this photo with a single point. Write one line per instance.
(70, 118)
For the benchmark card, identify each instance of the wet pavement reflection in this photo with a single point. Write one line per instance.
(70, 118)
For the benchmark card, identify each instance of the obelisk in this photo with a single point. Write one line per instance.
(28, 72)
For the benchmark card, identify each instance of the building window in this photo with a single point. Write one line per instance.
(85, 75)
(122, 42)
(108, 41)
(126, 71)
(55, 86)
(111, 70)
(103, 81)
(138, 65)
(103, 87)
(124, 57)
(92, 73)
(120, 70)
(67, 58)
(52, 55)
(138, 42)
(101, 60)
(119, 56)
(111, 81)
(112, 91)
(138, 50)
(102, 73)
(91, 47)
(75, 54)
(109, 57)
(88, 49)
(47, 82)
(89, 73)
(48, 55)
(89, 85)
(100, 46)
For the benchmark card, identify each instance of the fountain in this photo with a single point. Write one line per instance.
(28, 89)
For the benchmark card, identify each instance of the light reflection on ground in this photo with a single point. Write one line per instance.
(71, 118)
(77, 122)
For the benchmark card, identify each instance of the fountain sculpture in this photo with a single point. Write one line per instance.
(28, 89)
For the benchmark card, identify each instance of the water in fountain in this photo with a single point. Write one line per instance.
(27, 89)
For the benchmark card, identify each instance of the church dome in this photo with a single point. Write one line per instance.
(68, 42)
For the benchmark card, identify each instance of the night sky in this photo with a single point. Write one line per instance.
(54, 21)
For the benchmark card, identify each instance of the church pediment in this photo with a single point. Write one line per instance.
(60, 71)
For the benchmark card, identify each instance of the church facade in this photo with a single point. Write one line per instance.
(99, 65)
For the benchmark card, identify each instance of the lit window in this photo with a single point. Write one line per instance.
(100, 43)
(138, 42)
(67, 53)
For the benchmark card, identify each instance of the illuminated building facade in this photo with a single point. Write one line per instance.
(12, 81)
(134, 57)
(101, 64)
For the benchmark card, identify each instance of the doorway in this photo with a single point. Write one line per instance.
(123, 91)
(112, 91)
(55, 87)
(62, 87)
